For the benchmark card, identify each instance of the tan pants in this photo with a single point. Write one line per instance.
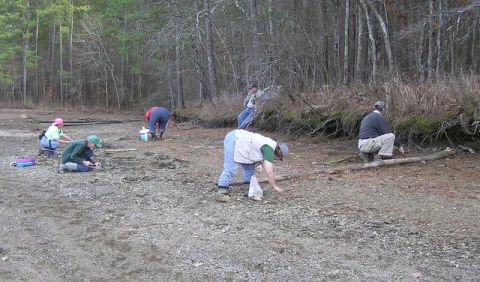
(383, 144)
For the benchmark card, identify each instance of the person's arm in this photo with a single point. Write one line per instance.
(383, 126)
(268, 168)
(148, 114)
(67, 138)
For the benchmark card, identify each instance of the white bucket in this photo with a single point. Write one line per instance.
(144, 136)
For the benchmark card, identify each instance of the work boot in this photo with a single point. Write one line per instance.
(378, 158)
(364, 156)
(223, 190)
(61, 168)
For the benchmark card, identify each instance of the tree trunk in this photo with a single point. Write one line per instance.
(52, 53)
(35, 95)
(439, 38)
(202, 91)
(386, 39)
(270, 18)
(430, 40)
(473, 47)
(346, 42)
(178, 57)
(70, 47)
(25, 54)
(359, 52)
(255, 56)
(372, 49)
(440, 155)
(421, 67)
(106, 87)
(62, 98)
(333, 13)
(212, 75)
(173, 96)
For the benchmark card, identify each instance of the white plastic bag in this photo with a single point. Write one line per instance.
(255, 191)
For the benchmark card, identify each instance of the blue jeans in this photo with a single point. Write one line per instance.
(245, 118)
(230, 166)
(49, 144)
(161, 116)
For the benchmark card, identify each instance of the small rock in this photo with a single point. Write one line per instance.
(417, 275)
(223, 199)
(334, 273)
(4, 258)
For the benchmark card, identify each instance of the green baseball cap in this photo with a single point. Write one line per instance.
(96, 140)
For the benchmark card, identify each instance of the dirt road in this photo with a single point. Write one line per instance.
(151, 214)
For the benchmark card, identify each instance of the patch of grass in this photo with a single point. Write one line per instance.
(186, 114)
(421, 125)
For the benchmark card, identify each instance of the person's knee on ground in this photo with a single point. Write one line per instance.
(68, 167)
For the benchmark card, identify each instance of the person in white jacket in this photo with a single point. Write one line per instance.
(247, 149)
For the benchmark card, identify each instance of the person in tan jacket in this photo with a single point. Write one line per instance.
(247, 149)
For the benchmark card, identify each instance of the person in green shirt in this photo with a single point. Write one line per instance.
(78, 155)
(51, 139)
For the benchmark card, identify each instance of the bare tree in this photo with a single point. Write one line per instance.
(346, 43)
(212, 76)
(71, 44)
(386, 39)
(25, 52)
(255, 58)
(372, 49)
(420, 48)
(270, 18)
(430, 40)
(60, 33)
(178, 56)
(439, 38)
(359, 51)
(97, 53)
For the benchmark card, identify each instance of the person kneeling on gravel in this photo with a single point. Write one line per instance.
(78, 155)
(246, 148)
(376, 136)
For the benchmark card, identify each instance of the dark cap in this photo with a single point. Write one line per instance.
(253, 85)
(380, 104)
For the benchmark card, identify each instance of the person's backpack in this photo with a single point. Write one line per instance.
(41, 135)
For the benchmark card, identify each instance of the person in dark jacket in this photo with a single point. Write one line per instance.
(78, 155)
(157, 118)
(376, 136)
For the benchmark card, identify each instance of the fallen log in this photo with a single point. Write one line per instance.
(89, 121)
(119, 150)
(277, 178)
(440, 155)
(334, 170)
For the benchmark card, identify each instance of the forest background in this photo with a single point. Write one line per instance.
(322, 63)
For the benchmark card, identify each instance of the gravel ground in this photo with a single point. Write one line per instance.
(152, 214)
